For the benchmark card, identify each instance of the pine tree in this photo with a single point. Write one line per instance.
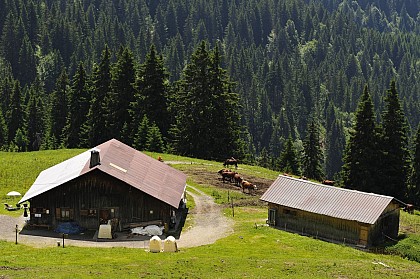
(20, 140)
(362, 168)
(206, 124)
(140, 138)
(395, 146)
(78, 108)
(313, 157)
(94, 130)
(119, 100)
(15, 114)
(154, 142)
(35, 121)
(3, 132)
(414, 190)
(335, 146)
(152, 87)
(58, 112)
(289, 159)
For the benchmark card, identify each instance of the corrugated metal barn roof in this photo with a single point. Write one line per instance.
(326, 200)
(122, 162)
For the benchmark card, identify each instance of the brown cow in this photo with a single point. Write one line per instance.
(228, 175)
(237, 179)
(248, 185)
(409, 208)
(328, 182)
(231, 161)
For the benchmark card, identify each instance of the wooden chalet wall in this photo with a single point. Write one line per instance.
(317, 225)
(334, 229)
(93, 199)
(387, 225)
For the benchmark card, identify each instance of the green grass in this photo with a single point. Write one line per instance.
(250, 252)
(18, 171)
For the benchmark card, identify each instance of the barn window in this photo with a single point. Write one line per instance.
(64, 213)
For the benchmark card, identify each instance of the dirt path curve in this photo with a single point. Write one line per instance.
(209, 222)
(209, 226)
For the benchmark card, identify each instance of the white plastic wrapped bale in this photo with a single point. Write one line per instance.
(105, 231)
(149, 230)
(169, 245)
(155, 245)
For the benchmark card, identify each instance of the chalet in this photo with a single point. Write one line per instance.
(111, 182)
(331, 213)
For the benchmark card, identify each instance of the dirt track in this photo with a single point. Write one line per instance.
(209, 222)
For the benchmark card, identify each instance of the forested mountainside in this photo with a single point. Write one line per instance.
(129, 69)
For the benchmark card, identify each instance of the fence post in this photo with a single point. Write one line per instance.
(16, 229)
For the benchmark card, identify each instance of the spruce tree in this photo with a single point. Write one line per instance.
(78, 108)
(395, 146)
(3, 132)
(94, 130)
(118, 101)
(206, 108)
(152, 92)
(362, 168)
(289, 160)
(15, 115)
(154, 141)
(140, 138)
(313, 155)
(58, 111)
(335, 146)
(414, 190)
(35, 121)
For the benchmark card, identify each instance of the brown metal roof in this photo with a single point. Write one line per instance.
(122, 162)
(326, 200)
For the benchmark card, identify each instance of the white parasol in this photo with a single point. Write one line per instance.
(13, 194)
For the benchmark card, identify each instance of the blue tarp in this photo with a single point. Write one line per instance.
(69, 228)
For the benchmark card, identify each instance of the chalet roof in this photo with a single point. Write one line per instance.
(326, 200)
(122, 162)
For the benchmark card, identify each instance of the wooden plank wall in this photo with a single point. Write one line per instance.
(88, 194)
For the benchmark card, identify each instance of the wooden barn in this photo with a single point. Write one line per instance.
(331, 213)
(111, 182)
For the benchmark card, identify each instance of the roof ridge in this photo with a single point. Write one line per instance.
(335, 187)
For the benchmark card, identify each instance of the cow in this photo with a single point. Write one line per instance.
(227, 175)
(248, 185)
(328, 182)
(409, 208)
(231, 161)
(237, 179)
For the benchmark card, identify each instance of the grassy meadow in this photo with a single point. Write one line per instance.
(250, 252)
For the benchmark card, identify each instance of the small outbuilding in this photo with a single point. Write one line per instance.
(110, 184)
(331, 213)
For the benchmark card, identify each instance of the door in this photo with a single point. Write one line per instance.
(272, 217)
(363, 237)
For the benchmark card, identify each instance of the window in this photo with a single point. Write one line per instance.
(64, 213)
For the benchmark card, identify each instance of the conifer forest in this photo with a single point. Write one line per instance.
(326, 89)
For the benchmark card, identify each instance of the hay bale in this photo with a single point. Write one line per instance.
(155, 245)
(170, 244)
